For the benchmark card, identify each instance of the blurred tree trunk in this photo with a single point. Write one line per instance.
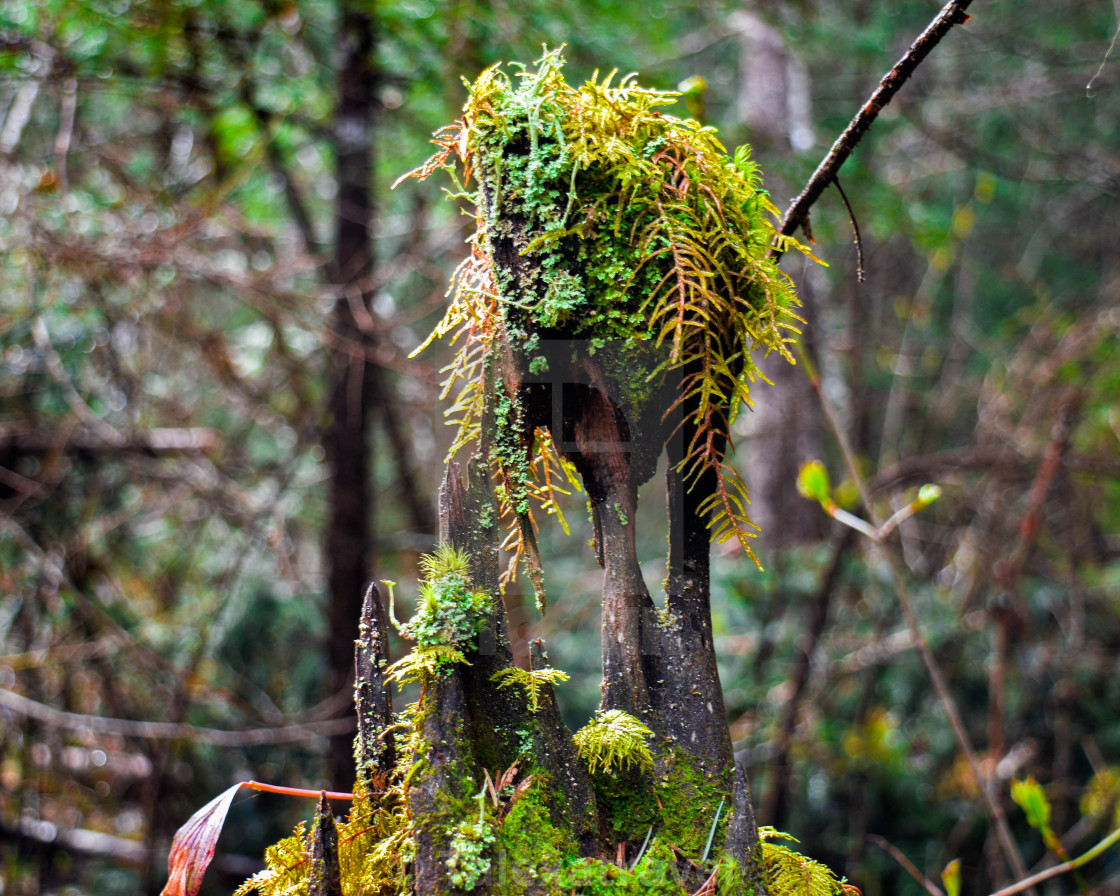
(355, 381)
(784, 429)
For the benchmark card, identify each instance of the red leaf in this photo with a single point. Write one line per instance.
(194, 844)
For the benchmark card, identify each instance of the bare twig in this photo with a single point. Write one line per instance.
(57, 718)
(855, 229)
(937, 679)
(1072, 864)
(155, 442)
(899, 856)
(66, 108)
(953, 13)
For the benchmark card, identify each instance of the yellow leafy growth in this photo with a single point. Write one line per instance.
(531, 681)
(640, 228)
(614, 741)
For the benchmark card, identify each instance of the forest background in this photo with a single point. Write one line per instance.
(212, 433)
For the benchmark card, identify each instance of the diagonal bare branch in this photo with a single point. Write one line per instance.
(953, 13)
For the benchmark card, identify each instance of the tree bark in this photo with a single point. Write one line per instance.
(690, 698)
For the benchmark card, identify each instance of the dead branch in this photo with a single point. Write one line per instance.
(153, 442)
(953, 13)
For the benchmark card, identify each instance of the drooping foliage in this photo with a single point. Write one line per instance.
(633, 226)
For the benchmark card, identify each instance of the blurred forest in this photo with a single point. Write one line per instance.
(212, 434)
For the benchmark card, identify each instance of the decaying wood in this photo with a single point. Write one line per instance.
(372, 695)
(324, 874)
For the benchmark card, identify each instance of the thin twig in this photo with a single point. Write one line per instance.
(953, 13)
(899, 856)
(855, 229)
(945, 698)
(72, 721)
(67, 106)
(1107, 842)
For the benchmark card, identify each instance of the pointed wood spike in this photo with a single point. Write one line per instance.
(373, 697)
(324, 874)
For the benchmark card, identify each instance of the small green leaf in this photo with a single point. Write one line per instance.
(951, 877)
(812, 482)
(1031, 798)
(927, 494)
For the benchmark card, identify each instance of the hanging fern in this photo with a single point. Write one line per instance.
(531, 681)
(423, 663)
(640, 228)
(614, 741)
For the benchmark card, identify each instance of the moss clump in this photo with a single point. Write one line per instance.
(450, 614)
(530, 846)
(601, 218)
(655, 873)
(614, 741)
(689, 801)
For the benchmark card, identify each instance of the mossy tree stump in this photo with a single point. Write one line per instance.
(619, 281)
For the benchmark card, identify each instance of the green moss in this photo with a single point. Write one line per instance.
(689, 800)
(655, 874)
(605, 220)
(627, 805)
(530, 847)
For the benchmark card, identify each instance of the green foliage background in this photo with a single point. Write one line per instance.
(163, 278)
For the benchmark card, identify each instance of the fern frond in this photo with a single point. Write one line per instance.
(638, 226)
(424, 663)
(788, 873)
(285, 872)
(531, 681)
(614, 740)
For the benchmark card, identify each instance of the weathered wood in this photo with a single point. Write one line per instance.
(468, 724)
(552, 739)
(324, 874)
(468, 520)
(438, 788)
(372, 694)
(689, 697)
